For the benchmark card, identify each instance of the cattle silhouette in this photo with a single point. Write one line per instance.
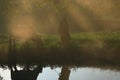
(26, 73)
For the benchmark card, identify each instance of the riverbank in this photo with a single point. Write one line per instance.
(96, 48)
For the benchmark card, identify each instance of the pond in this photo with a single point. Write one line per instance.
(82, 73)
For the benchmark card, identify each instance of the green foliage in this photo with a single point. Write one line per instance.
(111, 39)
(97, 35)
(51, 41)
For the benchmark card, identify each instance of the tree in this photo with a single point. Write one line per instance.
(61, 6)
(65, 73)
(64, 32)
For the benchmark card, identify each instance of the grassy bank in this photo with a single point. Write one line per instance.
(77, 39)
(85, 48)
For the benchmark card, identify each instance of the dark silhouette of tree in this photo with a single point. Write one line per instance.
(64, 32)
(65, 73)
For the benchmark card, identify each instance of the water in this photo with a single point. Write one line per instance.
(84, 73)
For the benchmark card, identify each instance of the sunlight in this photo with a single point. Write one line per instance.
(104, 12)
(22, 25)
(26, 5)
(23, 29)
(80, 18)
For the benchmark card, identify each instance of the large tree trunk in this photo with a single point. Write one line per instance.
(63, 21)
(64, 30)
(64, 34)
(65, 73)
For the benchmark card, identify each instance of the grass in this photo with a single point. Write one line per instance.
(111, 39)
(77, 39)
(99, 47)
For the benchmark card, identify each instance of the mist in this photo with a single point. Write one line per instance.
(83, 15)
(39, 33)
